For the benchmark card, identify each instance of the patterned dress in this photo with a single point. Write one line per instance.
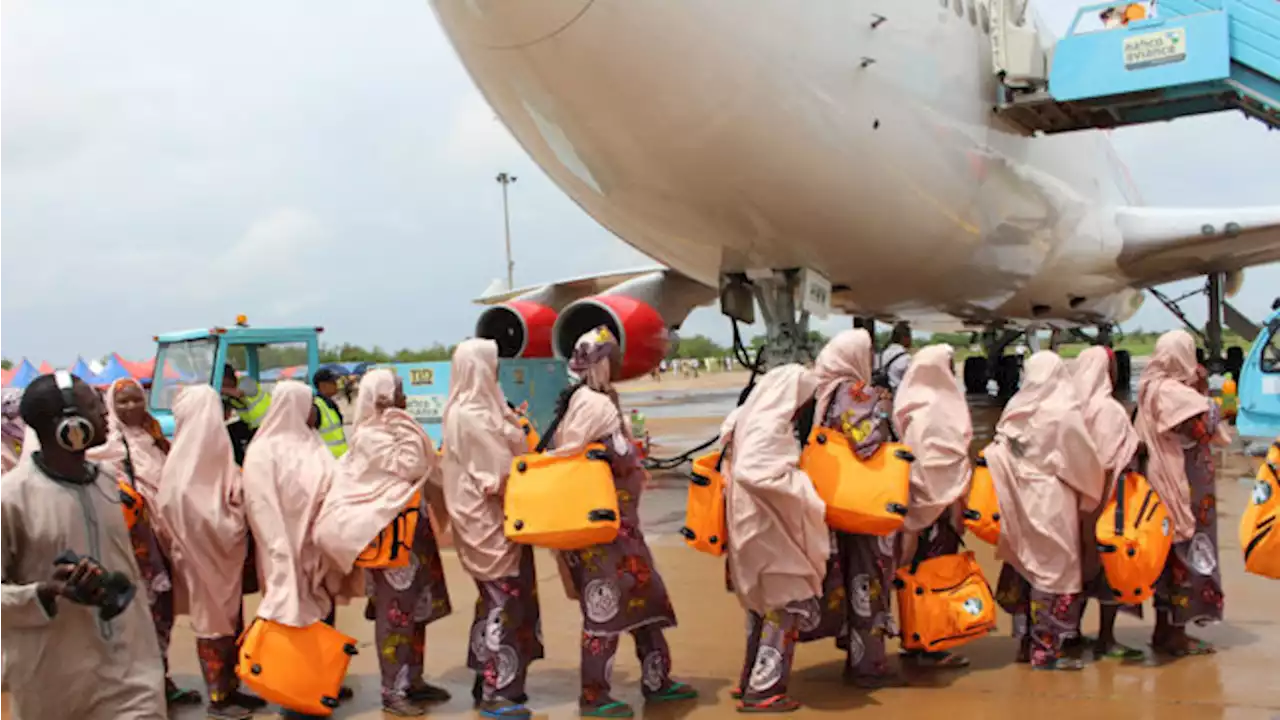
(1190, 590)
(406, 601)
(506, 635)
(620, 591)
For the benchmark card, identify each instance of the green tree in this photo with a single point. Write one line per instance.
(698, 346)
(6, 364)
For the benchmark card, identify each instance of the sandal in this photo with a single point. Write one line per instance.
(176, 696)
(1065, 664)
(735, 693)
(614, 709)
(245, 700)
(477, 693)
(775, 704)
(227, 711)
(672, 692)
(1188, 648)
(1116, 651)
(504, 709)
(941, 660)
(424, 691)
(401, 707)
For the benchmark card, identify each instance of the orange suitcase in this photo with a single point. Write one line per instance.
(982, 509)
(300, 669)
(704, 518)
(562, 502)
(944, 602)
(867, 497)
(394, 545)
(132, 504)
(1134, 538)
(1258, 534)
(531, 438)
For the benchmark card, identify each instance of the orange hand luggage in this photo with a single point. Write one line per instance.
(867, 497)
(1134, 538)
(704, 519)
(531, 438)
(1258, 534)
(300, 669)
(132, 504)
(943, 602)
(562, 502)
(982, 509)
(393, 546)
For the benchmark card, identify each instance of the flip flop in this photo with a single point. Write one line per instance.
(671, 693)
(426, 692)
(735, 693)
(940, 660)
(1119, 652)
(181, 696)
(500, 709)
(775, 704)
(1062, 664)
(1192, 648)
(613, 709)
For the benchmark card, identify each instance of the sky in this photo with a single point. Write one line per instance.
(171, 165)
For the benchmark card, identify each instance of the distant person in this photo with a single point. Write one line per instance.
(1179, 425)
(1235, 361)
(329, 417)
(892, 362)
(66, 656)
(13, 431)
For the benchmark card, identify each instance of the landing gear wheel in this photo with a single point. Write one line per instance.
(1124, 372)
(1009, 375)
(975, 375)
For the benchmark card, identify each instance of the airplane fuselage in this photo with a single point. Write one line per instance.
(853, 138)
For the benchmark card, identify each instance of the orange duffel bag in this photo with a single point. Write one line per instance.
(867, 497)
(562, 502)
(1258, 534)
(393, 546)
(299, 669)
(704, 515)
(943, 602)
(1134, 538)
(982, 510)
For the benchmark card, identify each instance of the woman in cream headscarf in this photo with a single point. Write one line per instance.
(135, 453)
(481, 436)
(199, 503)
(1178, 424)
(932, 418)
(13, 430)
(846, 401)
(1046, 473)
(619, 588)
(1117, 443)
(390, 458)
(778, 537)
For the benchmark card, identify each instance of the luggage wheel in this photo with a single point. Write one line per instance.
(905, 455)
(896, 508)
(329, 702)
(597, 455)
(350, 649)
(688, 534)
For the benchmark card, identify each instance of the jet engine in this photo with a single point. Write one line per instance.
(522, 328)
(639, 327)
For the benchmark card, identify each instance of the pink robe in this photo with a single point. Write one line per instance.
(148, 459)
(481, 436)
(201, 503)
(388, 461)
(287, 473)
(1046, 471)
(778, 537)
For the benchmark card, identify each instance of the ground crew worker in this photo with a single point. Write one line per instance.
(249, 399)
(330, 417)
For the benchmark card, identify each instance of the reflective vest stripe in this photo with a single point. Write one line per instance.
(330, 429)
(255, 410)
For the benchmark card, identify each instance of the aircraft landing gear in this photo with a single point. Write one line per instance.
(786, 326)
(1006, 370)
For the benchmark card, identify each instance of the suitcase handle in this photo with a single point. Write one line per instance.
(698, 480)
(602, 516)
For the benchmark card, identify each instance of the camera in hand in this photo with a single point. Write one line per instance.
(115, 589)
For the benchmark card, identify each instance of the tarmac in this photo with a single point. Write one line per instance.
(1240, 682)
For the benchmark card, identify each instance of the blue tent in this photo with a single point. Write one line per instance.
(23, 376)
(82, 371)
(113, 371)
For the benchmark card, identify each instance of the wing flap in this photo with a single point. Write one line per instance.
(1164, 244)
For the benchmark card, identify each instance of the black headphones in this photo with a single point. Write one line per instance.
(74, 432)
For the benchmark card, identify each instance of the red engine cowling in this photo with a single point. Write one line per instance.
(639, 327)
(522, 328)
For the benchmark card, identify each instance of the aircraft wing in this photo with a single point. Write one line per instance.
(571, 289)
(1162, 245)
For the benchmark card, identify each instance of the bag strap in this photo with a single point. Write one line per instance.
(561, 409)
(128, 463)
(1120, 505)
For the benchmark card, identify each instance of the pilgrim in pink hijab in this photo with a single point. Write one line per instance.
(1046, 471)
(200, 500)
(845, 358)
(389, 459)
(147, 447)
(1167, 398)
(932, 418)
(287, 473)
(481, 436)
(778, 537)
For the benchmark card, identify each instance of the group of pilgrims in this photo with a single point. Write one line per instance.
(292, 521)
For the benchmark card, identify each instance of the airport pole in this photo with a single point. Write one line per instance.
(504, 180)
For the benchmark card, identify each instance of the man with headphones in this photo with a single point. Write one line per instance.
(76, 647)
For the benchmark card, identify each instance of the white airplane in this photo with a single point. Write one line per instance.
(849, 146)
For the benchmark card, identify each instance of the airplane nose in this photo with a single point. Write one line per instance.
(505, 24)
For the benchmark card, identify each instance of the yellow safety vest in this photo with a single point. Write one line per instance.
(253, 408)
(335, 438)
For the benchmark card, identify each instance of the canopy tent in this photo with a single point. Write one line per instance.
(23, 374)
(6, 376)
(82, 371)
(113, 371)
(46, 368)
(146, 369)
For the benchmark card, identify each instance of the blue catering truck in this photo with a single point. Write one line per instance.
(194, 357)
(1259, 385)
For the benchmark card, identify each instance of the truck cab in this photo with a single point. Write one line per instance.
(196, 357)
(1259, 386)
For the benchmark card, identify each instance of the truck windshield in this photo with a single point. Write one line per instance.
(179, 364)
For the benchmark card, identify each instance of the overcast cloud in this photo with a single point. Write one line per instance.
(171, 164)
